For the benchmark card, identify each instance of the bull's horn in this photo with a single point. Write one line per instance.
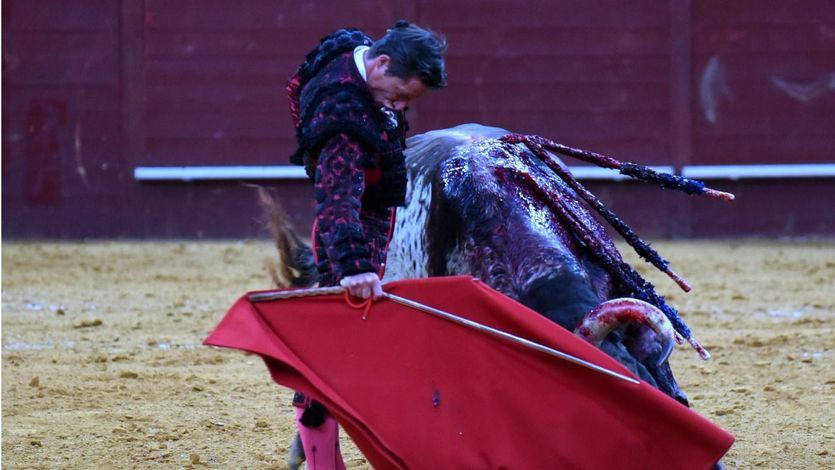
(601, 320)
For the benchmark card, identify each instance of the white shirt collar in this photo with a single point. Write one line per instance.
(359, 59)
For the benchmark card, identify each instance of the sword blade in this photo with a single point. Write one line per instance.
(506, 336)
(316, 291)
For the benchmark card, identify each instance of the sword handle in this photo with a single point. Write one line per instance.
(293, 293)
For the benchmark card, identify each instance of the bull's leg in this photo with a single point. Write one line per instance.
(295, 455)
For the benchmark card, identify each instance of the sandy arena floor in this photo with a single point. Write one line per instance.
(103, 366)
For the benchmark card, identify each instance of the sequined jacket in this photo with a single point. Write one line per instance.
(353, 152)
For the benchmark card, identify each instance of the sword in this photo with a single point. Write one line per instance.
(316, 291)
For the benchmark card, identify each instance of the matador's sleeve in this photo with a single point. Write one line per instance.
(340, 183)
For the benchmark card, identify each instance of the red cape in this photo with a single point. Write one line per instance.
(416, 391)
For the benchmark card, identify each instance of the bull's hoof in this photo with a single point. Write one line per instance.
(296, 457)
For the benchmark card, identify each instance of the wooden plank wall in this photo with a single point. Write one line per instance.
(62, 162)
(765, 81)
(94, 88)
(764, 92)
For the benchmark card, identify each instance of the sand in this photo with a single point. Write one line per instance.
(103, 365)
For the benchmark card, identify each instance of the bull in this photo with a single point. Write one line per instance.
(503, 208)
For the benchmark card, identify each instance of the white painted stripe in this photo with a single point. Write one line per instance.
(194, 173)
(283, 172)
(287, 172)
(735, 172)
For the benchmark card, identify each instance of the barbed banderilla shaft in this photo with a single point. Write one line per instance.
(317, 291)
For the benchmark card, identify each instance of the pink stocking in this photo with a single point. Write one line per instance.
(321, 444)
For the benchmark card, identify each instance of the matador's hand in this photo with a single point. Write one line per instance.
(363, 285)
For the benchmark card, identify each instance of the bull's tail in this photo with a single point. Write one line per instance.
(295, 266)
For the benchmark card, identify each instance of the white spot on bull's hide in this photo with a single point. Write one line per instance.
(713, 87)
(806, 92)
(407, 255)
(457, 263)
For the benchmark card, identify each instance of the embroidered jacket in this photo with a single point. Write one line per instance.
(353, 151)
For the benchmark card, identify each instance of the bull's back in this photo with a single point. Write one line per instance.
(462, 218)
(409, 250)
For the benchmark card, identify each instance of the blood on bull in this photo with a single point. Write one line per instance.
(503, 208)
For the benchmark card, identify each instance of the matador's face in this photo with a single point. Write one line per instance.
(388, 90)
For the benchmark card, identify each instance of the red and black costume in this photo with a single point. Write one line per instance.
(353, 151)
